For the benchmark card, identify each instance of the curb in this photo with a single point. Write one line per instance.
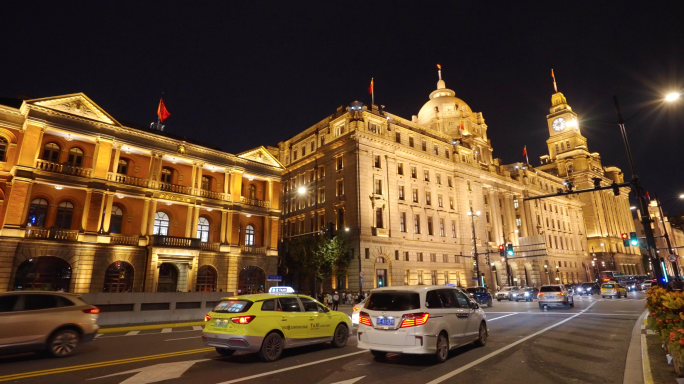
(645, 362)
(152, 326)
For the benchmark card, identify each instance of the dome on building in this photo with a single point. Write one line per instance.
(446, 101)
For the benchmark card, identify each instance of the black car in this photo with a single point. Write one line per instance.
(481, 295)
(527, 294)
(588, 289)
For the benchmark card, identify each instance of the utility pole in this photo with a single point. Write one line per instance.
(643, 204)
(477, 261)
(670, 250)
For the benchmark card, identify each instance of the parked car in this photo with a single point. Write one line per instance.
(527, 294)
(506, 293)
(555, 295)
(481, 295)
(588, 289)
(420, 320)
(54, 322)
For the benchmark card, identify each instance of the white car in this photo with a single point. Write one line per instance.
(420, 320)
(506, 293)
(355, 312)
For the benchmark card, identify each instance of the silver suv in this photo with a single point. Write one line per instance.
(506, 293)
(45, 321)
(556, 295)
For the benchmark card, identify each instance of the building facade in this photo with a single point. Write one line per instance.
(662, 227)
(88, 204)
(417, 196)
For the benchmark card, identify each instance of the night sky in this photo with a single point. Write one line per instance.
(244, 74)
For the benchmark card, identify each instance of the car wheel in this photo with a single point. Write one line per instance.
(510, 299)
(498, 299)
(379, 354)
(572, 304)
(489, 303)
(541, 306)
(481, 336)
(340, 337)
(271, 348)
(442, 352)
(516, 300)
(63, 343)
(225, 351)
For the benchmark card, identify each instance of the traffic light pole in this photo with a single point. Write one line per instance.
(643, 204)
(675, 265)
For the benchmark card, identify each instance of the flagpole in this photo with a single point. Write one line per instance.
(372, 92)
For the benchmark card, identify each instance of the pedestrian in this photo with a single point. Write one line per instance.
(336, 301)
(330, 301)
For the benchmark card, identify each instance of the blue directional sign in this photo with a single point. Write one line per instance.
(274, 278)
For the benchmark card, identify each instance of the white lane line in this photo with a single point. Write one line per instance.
(501, 317)
(509, 346)
(184, 338)
(132, 333)
(291, 368)
(148, 334)
(197, 328)
(166, 330)
(99, 335)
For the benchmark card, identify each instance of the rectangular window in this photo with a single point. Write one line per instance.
(446, 152)
(518, 221)
(367, 253)
(376, 162)
(414, 173)
(294, 155)
(416, 224)
(340, 164)
(430, 229)
(516, 204)
(401, 192)
(340, 187)
(402, 222)
(406, 277)
(453, 229)
(441, 227)
(436, 150)
(378, 187)
(433, 276)
(400, 168)
(410, 141)
(396, 255)
(440, 202)
(415, 195)
(397, 137)
(420, 277)
(322, 141)
(468, 185)
(321, 172)
(451, 202)
(303, 151)
(312, 176)
(428, 198)
(406, 256)
(420, 256)
(313, 143)
(438, 178)
(378, 218)
(445, 259)
(487, 216)
(321, 195)
(433, 257)
(450, 181)
(423, 145)
(426, 175)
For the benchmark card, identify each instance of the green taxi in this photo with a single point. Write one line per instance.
(268, 323)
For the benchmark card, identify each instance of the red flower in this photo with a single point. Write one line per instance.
(681, 341)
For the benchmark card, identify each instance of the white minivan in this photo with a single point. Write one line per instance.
(420, 320)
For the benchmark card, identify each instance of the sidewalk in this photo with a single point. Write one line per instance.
(656, 368)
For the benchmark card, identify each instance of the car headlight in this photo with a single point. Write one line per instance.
(527, 293)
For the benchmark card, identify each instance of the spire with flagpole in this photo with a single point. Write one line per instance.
(527, 160)
(439, 71)
(371, 90)
(555, 88)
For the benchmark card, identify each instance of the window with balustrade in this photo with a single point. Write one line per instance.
(161, 224)
(205, 183)
(116, 220)
(65, 211)
(123, 167)
(37, 212)
(251, 191)
(3, 148)
(75, 157)
(203, 229)
(51, 152)
(249, 235)
(166, 175)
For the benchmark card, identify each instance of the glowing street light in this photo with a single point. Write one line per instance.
(301, 190)
(672, 96)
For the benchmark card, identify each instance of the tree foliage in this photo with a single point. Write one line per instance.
(318, 256)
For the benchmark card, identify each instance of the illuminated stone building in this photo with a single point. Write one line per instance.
(661, 225)
(402, 189)
(90, 205)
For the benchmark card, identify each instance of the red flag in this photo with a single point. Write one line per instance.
(525, 151)
(370, 89)
(162, 112)
(646, 195)
(462, 126)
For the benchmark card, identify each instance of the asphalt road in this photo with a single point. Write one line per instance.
(584, 344)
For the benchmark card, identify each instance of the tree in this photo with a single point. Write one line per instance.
(333, 257)
(318, 257)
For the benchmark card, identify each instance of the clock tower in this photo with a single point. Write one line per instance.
(564, 129)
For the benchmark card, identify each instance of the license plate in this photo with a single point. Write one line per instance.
(385, 321)
(551, 297)
(221, 323)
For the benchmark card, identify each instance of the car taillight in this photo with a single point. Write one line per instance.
(561, 294)
(92, 310)
(242, 319)
(364, 319)
(207, 317)
(355, 309)
(414, 319)
(540, 294)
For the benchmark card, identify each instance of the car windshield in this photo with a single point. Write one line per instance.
(232, 306)
(510, 289)
(393, 301)
(608, 285)
(471, 290)
(550, 289)
(587, 285)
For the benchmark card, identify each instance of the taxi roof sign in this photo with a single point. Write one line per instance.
(281, 290)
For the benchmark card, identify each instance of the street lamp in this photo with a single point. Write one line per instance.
(301, 190)
(548, 279)
(557, 272)
(472, 215)
(672, 96)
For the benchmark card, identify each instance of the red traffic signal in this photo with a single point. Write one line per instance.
(624, 236)
(501, 247)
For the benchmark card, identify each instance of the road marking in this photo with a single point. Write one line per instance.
(197, 328)
(184, 338)
(154, 373)
(24, 375)
(132, 333)
(291, 368)
(501, 317)
(148, 334)
(350, 381)
(498, 351)
(99, 335)
(166, 330)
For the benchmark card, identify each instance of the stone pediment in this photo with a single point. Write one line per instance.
(261, 155)
(76, 104)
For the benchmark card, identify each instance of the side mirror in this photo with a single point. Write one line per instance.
(474, 305)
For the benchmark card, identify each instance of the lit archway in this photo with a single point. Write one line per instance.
(119, 277)
(46, 273)
(252, 280)
(168, 278)
(206, 279)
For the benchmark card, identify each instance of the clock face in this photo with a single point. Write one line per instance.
(558, 124)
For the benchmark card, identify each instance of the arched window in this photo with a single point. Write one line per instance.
(51, 152)
(65, 211)
(3, 148)
(116, 220)
(43, 273)
(37, 211)
(206, 279)
(123, 167)
(75, 157)
(252, 192)
(119, 277)
(166, 175)
(249, 235)
(203, 229)
(161, 224)
(168, 278)
(251, 280)
(205, 183)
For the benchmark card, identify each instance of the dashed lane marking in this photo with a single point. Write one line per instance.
(167, 330)
(501, 317)
(132, 333)
(184, 338)
(197, 328)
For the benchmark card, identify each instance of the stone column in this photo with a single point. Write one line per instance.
(200, 169)
(226, 181)
(143, 222)
(496, 215)
(108, 213)
(188, 222)
(267, 230)
(150, 220)
(268, 194)
(117, 154)
(86, 208)
(223, 226)
(229, 227)
(150, 176)
(195, 219)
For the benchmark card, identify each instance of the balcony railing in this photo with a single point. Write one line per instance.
(49, 166)
(171, 241)
(210, 246)
(251, 249)
(52, 234)
(175, 188)
(212, 194)
(124, 239)
(255, 202)
(130, 180)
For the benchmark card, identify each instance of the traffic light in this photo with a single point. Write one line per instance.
(616, 189)
(509, 250)
(502, 250)
(330, 230)
(625, 239)
(633, 239)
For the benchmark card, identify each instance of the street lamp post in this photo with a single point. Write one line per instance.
(557, 278)
(472, 215)
(548, 279)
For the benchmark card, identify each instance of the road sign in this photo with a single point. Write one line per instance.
(474, 278)
(361, 274)
(274, 278)
(361, 281)
(672, 258)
